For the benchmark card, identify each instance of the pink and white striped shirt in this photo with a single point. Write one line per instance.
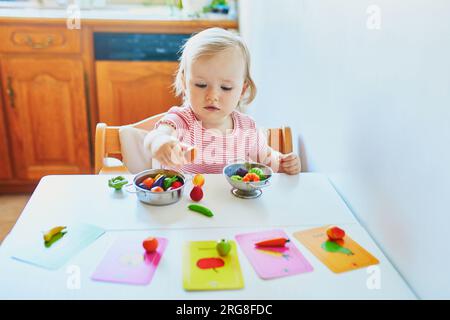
(215, 149)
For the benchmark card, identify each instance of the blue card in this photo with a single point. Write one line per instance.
(33, 249)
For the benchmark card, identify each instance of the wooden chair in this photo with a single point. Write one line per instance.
(107, 144)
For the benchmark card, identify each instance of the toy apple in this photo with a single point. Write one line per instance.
(223, 247)
(335, 233)
(150, 244)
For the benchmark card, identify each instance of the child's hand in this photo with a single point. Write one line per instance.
(290, 163)
(173, 153)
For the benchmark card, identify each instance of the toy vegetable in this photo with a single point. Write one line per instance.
(168, 182)
(241, 172)
(148, 182)
(176, 185)
(276, 242)
(117, 182)
(201, 209)
(159, 181)
(258, 172)
(251, 177)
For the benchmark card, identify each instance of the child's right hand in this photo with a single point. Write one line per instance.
(174, 153)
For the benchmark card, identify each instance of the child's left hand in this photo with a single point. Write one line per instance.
(290, 163)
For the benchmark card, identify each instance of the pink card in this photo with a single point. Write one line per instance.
(127, 262)
(273, 262)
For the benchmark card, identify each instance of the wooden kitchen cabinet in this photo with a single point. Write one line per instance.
(54, 90)
(5, 162)
(128, 92)
(46, 112)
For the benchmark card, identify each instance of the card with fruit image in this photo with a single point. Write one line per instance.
(205, 269)
(128, 262)
(272, 255)
(335, 249)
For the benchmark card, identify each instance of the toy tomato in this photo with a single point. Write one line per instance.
(335, 233)
(148, 182)
(198, 180)
(176, 185)
(150, 244)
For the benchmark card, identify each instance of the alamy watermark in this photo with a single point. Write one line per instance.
(373, 282)
(73, 13)
(374, 17)
(73, 281)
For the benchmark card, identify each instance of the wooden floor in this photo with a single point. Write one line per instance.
(11, 207)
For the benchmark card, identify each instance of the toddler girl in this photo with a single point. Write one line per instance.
(214, 80)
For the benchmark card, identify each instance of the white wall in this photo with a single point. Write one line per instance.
(371, 109)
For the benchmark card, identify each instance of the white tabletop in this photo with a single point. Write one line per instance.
(291, 203)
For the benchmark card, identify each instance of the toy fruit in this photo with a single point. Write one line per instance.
(335, 233)
(148, 182)
(150, 244)
(157, 189)
(223, 247)
(276, 242)
(54, 239)
(201, 209)
(48, 235)
(196, 193)
(117, 182)
(198, 180)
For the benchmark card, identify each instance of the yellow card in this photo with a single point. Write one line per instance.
(205, 269)
(339, 256)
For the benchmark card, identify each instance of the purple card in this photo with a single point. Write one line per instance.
(127, 262)
(273, 262)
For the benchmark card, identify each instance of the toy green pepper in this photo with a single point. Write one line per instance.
(117, 182)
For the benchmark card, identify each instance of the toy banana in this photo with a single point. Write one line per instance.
(52, 232)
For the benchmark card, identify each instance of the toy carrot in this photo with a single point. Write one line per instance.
(276, 242)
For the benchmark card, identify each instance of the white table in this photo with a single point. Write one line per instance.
(291, 203)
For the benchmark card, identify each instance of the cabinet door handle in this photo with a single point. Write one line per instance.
(39, 45)
(10, 92)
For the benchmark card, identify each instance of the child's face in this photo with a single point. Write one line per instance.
(214, 85)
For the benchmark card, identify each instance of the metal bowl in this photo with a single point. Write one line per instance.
(158, 198)
(247, 190)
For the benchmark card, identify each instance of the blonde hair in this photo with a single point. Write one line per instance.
(209, 42)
